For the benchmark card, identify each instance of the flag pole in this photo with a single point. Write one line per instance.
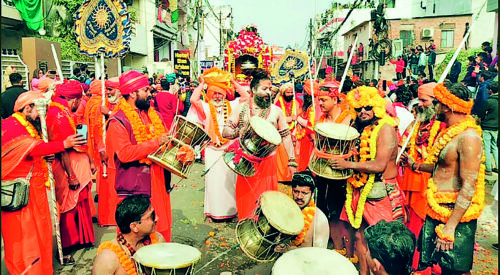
(103, 103)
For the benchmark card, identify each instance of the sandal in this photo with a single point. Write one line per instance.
(68, 260)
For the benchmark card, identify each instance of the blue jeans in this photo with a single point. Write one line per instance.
(490, 138)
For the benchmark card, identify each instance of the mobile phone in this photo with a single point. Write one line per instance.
(81, 129)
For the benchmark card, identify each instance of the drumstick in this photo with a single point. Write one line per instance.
(225, 252)
(31, 265)
(213, 164)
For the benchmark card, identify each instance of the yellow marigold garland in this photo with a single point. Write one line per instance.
(434, 198)
(213, 115)
(66, 110)
(453, 102)
(308, 213)
(140, 131)
(282, 103)
(368, 147)
(124, 259)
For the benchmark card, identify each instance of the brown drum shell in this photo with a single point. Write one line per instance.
(168, 160)
(189, 133)
(245, 168)
(180, 271)
(322, 166)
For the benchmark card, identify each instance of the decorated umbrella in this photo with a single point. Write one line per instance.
(102, 27)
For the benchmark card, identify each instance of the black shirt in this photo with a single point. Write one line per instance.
(9, 98)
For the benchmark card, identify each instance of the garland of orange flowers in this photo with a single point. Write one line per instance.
(291, 125)
(435, 198)
(342, 116)
(442, 235)
(124, 259)
(308, 213)
(436, 125)
(301, 131)
(140, 131)
(442, 94)
(213, 114)
(368, 151)
(65, 110)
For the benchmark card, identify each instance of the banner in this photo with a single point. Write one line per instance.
(181, 63)
(206, 64)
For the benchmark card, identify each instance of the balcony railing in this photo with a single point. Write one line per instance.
(9, 3)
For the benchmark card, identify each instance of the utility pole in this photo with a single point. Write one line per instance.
(310, 36)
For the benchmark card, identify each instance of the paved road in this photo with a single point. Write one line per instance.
(189, 228)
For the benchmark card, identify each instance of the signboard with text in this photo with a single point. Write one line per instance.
(206, 64)
(181, 63)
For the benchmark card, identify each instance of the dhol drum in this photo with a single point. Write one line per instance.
(177, 155)
(313, 260)
(166, 258)
(258, 142)
(332, 141)
(277, 220)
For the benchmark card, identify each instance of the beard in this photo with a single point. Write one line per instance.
(36, 123)
(426, 113)
(143, 104)
(361, 124)
(263, 103)
(288, 98)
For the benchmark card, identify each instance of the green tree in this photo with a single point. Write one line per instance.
(462, 57)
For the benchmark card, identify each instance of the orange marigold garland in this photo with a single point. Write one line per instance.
(368, 151)
(213, 115)
(308, 213)
(65, 110)
(442, 235)
(442, 94)
(435, 198)
(124, 259)
(140, 131)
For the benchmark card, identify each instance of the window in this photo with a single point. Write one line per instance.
(407, 37)
(447, 38)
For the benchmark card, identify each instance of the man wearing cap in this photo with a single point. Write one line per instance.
(316, 231)
(72, 171)
(220, 203)
(372, 192)
(27, 233)
(331, 193)
(134, 131)
(414, 183)
(291, 107)
(94, 119)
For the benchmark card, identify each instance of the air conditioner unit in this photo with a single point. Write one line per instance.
(428, 32)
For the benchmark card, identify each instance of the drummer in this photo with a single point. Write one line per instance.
(136, 220)
(332, 193)
(316, 231)
(248, 189)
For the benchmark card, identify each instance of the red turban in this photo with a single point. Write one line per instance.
(132, 81)
(333, 88)
(70, 89)
(113, 83)
(307, 87)
(26, 99)
(96, 87)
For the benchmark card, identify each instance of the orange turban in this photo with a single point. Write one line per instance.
(427, 89)
(307, 87)
(26, 99)
(132, 81)
(96, 87)
(113, 83)
(44, 84)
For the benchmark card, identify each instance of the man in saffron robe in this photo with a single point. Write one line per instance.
(414, 182)
(72, 171)
(134, 131)
(27, 233)
(291, 108)
(220, 203)
(93, 118)
(249, 189)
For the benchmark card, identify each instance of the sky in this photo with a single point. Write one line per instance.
(279, 22)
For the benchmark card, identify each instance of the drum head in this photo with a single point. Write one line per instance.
(167, 255)
(313, 260)
(282, 212)
(336, 131)
(265, 129)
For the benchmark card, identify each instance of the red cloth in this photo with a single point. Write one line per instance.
(248, 190)
(132, 81)
(27, 233)
(118, 144)
(70, 89)
(167, 105)
(306, 146)
(76, 224)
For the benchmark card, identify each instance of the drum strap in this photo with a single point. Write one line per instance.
(322, 154)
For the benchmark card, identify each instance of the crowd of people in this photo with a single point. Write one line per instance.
(431, 190)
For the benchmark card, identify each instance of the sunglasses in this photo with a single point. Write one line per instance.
(367, 108)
